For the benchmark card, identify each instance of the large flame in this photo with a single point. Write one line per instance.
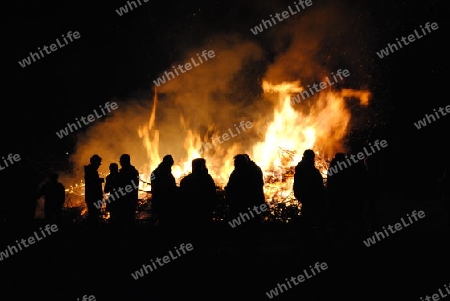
(295, 127)
(321, 125)
(209, 99)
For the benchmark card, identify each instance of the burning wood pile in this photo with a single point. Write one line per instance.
(284, 207)
(321, 125)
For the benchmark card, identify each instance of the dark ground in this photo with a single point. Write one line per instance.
(76, 261)
(119, 55)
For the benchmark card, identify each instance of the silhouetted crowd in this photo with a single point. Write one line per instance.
(344, 203)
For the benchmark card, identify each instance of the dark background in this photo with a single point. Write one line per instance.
(119, 56)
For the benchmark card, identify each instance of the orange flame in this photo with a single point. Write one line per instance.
(293, 129)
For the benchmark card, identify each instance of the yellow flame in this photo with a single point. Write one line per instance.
(295, 127)
(150, 138)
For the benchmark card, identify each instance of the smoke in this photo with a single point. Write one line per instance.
(226, 89)
(211, 97)
(111, 136)
(310, 46)
(321, 39)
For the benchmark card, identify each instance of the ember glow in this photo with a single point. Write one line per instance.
(190, 110)
(321, 127)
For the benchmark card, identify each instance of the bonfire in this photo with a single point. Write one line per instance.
(294, 127)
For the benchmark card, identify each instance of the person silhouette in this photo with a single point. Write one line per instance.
(243, 194)
(54, 195)
(165, 203)
(245, 185)
(164, 191)
(444, 191)
(337, 189)
(24, 177)
(375, 183)
(111, 187)
(93, 189)
(128, 180)
(257, 181)
(309, 190)
(199, 192)
(357, 200)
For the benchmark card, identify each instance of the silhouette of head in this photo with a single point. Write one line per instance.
(53, 177)
(248, 157)
(199, 165)
(113, 167)
(339, 157)
(309, 156)
(125, 160)
(96, 160)
(168, 160)
(446, 171)
(240, 161)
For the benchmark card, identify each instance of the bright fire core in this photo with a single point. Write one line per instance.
(294, 128)
(320, 124)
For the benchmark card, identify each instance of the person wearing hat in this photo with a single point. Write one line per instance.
(93, 189)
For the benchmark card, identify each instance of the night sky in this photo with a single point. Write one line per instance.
(118, 57)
